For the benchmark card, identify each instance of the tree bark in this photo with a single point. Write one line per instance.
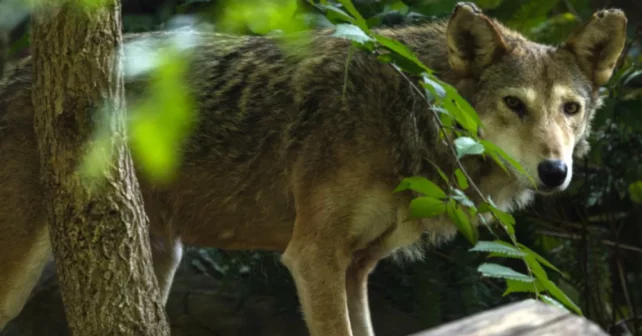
(98, 231)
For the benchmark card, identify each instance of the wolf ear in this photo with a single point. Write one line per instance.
(597, 45)
(473, 39)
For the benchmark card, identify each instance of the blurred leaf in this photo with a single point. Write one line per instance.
(635, 191)
(351, 32)
(336, 15)
(396, 5)
(160, 122)
(530, 14)
(359, 20)
(556, 29)
(260, 17)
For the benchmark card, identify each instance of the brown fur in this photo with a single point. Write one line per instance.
(281, 159)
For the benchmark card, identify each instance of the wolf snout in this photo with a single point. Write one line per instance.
(552, 172)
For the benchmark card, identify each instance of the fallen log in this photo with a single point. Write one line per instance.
(524, 318)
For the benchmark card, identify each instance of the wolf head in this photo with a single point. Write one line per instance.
(535, 101)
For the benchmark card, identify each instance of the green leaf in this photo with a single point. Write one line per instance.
(505, 218)
(513, 286)
(530, 13)
(397, 5)
(405, 64)
(160, 122)
(635, 192)
(396, 46)
(484, 207)
(336, 15)
(435, 88)
(424, 207)
(374, 21)
(460, 197)
(497, 248)
(495, 255)
(539, 258)
(555, 29)
(402, 50)
(461, 179)
(460, 219)
(492, 148)
(558, 294)
(498, 271)
(351, 32)
(359, 20)
(420, 185)
(467, 146)
(536, 268)
(549, 300)
(261, 17)
(464, 113)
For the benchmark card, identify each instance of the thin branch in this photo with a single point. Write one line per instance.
(442, 127)
(625, 287)
(578, 237)
(626, 320)
(450, 144)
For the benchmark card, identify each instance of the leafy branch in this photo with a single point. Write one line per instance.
(450, 109)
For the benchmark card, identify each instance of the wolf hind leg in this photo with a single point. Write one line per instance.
(25, 248)
(167, 253)
(23, 256)
(357, 289)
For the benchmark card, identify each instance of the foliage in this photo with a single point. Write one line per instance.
(591, 232)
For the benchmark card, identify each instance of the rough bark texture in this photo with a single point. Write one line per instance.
(99, 234)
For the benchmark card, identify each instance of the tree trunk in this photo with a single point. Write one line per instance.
(98, 231)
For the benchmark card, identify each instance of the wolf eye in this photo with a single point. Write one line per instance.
(571, 108)
(516, 105)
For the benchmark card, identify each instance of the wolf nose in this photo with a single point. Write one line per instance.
(552, 172)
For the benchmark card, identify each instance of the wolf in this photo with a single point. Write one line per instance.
(299, 153)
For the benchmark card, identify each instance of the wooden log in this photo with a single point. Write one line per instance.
(524, 318)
